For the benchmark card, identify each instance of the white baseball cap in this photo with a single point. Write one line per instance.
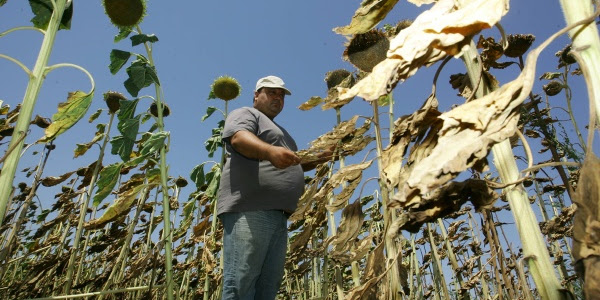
(272, 82)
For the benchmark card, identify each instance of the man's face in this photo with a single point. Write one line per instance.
(269, 101)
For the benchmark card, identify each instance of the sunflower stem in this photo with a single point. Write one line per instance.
(34, 85)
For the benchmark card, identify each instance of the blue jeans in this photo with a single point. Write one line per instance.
(254, 247)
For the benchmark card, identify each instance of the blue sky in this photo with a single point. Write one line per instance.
(201, 40)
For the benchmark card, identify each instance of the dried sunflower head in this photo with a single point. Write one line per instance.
(565, 57)
(226, 88)
(181, 182)
(125, 13)
(335, 77)
(366, 50)
(112, 100)
(518, 44)
(166, 111)
(392, 31)
(552, 88)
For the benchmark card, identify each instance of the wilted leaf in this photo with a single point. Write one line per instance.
(407, 129)
(367, 16)
(3, 108)
(348, 140)
(52, 180)
(311, 103)
(347, 173)
(40, 121)
(95, 115)
(371, 276)
(83, 148)
(69, 113)
(560, 225)
(332, 100)
(467, 134)
(586, 226)
(352, 175)
(306, 200)
(349, 228)
(421, 2)
(188, 216)
(443, 30)
(121, 205)
(443, 202)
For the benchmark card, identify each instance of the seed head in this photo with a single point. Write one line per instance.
(112, 100)
(154, 110)
(518, 44)
(335, 77)
(125, 13)
(226, 88)
(366, 50)
(553, 88)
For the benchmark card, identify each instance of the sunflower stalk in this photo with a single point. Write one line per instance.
(118, 267)
(388, 215)
(36, 78)
(213, 225)
(485, 292)
(85, 245)
(167, 235)
(83, 210)
(416, 292)
(24, 209)
(586, 47)
(534, 247)
(439, 278)
(463, 294)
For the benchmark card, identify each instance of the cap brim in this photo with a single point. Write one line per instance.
(287, 92)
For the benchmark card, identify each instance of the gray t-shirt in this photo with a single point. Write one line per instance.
(250, 184)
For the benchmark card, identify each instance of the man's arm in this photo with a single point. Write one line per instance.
(249, 145)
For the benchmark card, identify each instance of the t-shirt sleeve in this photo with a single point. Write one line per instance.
(239, 119)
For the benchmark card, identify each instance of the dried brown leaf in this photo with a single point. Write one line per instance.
(406, 130)
(367, 16)
(443, 202)
(443, 30)
(54, 180)
(586, 226)
(561, 225)
(350, 225)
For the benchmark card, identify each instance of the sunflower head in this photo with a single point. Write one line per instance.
(518, 44)
(366, 50)
(125, 13)
(335, 77)
(154, 110)
(112, 100)
(226, 88)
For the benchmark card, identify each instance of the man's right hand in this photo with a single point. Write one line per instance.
(282, 157)
(249, 145)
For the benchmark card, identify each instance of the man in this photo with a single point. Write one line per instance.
(261, 183)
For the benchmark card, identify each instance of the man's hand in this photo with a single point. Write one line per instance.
(282, 157)
(251, 146)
